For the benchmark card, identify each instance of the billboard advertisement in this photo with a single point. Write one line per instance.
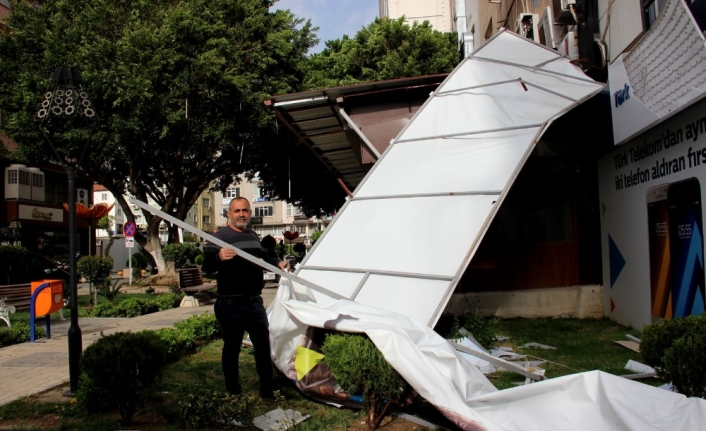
(651, 192)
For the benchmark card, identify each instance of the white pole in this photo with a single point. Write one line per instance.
(130, 265)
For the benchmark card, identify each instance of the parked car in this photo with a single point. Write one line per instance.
(32, 267)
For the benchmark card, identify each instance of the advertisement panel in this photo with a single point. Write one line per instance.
(651, 189)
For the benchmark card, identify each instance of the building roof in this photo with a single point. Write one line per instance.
(319, 119)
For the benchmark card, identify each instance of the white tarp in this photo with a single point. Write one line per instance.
(587, 401)
(404, 239)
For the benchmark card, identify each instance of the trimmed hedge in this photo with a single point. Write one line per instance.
(19, 333)
(134, 307)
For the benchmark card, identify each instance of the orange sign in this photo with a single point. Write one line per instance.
(49, 300)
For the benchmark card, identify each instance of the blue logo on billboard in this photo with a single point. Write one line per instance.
(622, 95)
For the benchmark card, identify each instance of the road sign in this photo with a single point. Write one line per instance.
(130, 242)
(129, 229)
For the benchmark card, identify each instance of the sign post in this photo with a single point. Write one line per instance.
(129, 230)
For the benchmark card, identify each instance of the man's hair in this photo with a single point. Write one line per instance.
(238, 199)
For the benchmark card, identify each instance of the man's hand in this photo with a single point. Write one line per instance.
(283, 265)
(226, 254)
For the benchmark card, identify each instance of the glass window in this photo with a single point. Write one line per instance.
(206, 219)
(224, 213)
(289, 209)
(263, 211)
(118, 212)
(233, 192)
(195, 218)
(206, 202)
(104, 196)
(256, 191)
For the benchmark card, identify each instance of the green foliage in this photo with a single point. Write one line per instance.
(182, 338)
(180, 254)
(360, 368)
(177, 342)
(131, 307)
(106, 222)
(385, 49)
(19, 333)
(168, 301)
(9, 254)
(120, 367)
(676, 348)
(482, 328)
(199, 260)
(174, 288)
(95, 269)
(109, 288)
(315, 236)
(139, 261)
(205, 326)
(200, 407)
(145, 62)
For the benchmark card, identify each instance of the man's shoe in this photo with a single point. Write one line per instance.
(235, 391)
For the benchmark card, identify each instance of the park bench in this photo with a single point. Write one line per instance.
(191, 283)
(14, 297)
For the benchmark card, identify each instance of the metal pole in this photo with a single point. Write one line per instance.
(75, 341)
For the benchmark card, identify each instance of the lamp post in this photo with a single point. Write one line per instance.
(68, 99)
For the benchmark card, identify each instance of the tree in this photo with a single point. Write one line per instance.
(385, 49)
(179, 86)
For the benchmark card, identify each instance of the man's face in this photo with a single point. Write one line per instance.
(239, 214)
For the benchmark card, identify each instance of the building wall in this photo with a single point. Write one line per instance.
(439, 13)
(624, 21)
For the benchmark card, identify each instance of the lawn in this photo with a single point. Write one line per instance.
(582, 345)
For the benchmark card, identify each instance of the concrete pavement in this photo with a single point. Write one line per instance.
(30, 368)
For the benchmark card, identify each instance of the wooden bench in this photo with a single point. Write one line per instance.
(191, 283)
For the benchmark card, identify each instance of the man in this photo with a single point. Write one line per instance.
(239, 305)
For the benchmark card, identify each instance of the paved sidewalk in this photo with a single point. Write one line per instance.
(31, 368)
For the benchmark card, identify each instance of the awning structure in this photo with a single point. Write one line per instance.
(404, 239)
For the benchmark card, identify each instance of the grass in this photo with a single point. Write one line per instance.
(582, 345)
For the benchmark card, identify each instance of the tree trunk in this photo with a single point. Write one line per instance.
(154, 248)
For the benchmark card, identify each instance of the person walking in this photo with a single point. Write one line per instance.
(239, 306)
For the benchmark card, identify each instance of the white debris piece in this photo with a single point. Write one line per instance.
(278, 419)
(537, 346)
(638, 367)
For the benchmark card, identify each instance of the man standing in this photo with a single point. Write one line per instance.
(239, 305)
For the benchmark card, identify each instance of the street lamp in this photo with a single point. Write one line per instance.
(68, 99)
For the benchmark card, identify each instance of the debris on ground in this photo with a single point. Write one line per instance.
(279, 419)
(537, 346)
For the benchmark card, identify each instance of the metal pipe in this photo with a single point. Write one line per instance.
(360, 134)
(74, 335)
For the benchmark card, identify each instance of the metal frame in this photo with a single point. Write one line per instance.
(378, 272)
(429, 195)
(244, 255)
(479, 132)
(360, 134)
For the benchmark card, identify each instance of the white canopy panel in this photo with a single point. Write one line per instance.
(410, 230)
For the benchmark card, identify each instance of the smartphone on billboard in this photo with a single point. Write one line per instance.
(658, 224)
(686, 247)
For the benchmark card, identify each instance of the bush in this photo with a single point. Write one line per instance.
(205, 326)
(19, 333)
(198, 407)
(360, 368)
(131, 307)
(198, 260)
(168, 301)
(139, 261)
(120, 367)
(676, 348)
(177, 343)
(95, 269)
(109, 288)
(483, 329)
(180, 254)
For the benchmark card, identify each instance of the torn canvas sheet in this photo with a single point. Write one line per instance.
(587, 401)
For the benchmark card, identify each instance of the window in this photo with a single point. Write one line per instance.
(233, 192)
(104, 196)
(224, 213)
(256, 191)
(289, 209)
(196, 218)
(205, 219)
(650, 10)
(206, 202)
(263, 211)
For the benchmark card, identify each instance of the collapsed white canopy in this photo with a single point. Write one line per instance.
(407, 235)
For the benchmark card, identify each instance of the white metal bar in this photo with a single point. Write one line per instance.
(478, 132)
(377, 272)
(536, 69)
(497, 361)
(359, 286)
(430, 195)
(360, 134)
(244, 255)
(475, 87)
(549, 91)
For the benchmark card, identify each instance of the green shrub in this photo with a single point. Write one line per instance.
(94, 269)
(105, 309)
(92, 397)
(684, 362)
(659, 336)
(482, 328)
(168, 301)
(180, 254)
(360, 368)
(139, 261)
(177, 343)
(120, 367)
(205, 326)
(174, 288)
(19, 333)
(198, 259)
(109, 288)
(131, 307)
(448, 326)
(199, 407)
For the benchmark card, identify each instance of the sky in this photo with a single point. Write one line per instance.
(333, 17)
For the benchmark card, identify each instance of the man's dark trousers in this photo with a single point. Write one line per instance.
(236, 316)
